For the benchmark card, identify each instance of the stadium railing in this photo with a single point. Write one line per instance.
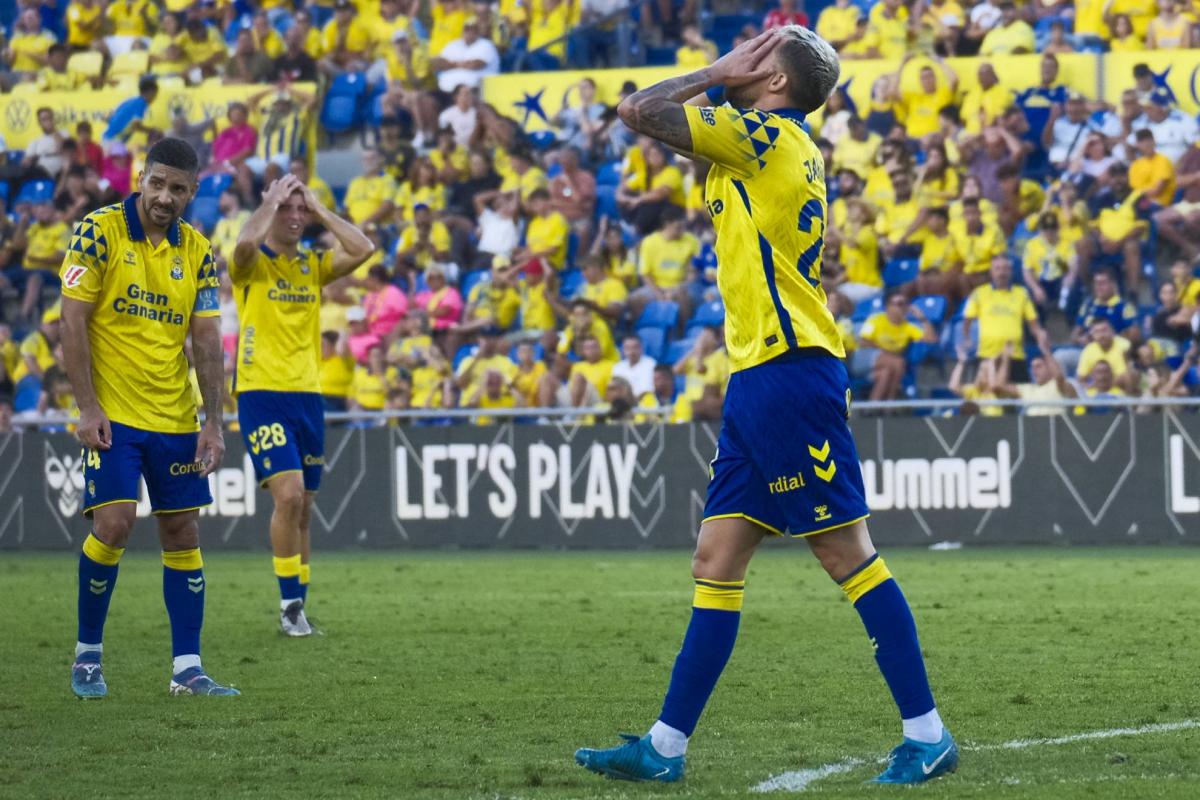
(545, 415)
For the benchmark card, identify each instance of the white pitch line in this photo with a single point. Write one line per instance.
(800, 780)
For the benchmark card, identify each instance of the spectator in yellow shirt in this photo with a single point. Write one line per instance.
(129, 20)
(494, 391)
(705, 370)
(837, 23)
(889, 21)
(1124, 40)
(1171, 29)
(368, 390)
(346, 41)
(336, 371)
(84, 23)
(920, 108)
(204, 48)
(449, 18)
(1152, 173)
(891, 332)
(167, 56)
(1049, 263)
(424, 242)
(538, 296)
(1003, 311)
(940, 262)
(1140, 13)
(369, 196)
(547, 233)
(859, 252)
(528, 375)
(581, 324)
(55, 77)
(984, 104)
(1010, 37)
(1106, 348)
(664, 261)
(605, 294)
(266, 38)
(696, 52)
(590, 376)
(524, 176)
(857, 149)
(29, 48)
(493, 302)
(978, 243)
(45, 243)
(645, 196)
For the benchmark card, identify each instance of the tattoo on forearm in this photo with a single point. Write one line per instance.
(657, 110)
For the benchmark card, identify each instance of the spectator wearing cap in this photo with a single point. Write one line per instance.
(1067, 131)
(36, 353)
(1170, 30)
(465, 60)
(346, 41)
(539, 297)
(1152, 173)
(1174, 132)
(1049, 264)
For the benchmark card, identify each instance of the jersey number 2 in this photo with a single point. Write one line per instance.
(809, 264)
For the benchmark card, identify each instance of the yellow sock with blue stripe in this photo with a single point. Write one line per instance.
(716, 612)
(97, 579)
(287, 570)
(305, 572)
(183, 592)
(889, 622)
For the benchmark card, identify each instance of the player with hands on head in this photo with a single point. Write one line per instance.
(281, 413)
(786, 459)
(137, 281)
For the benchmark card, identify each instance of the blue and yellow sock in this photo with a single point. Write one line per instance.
(183, 592)
(287, 570)
(716, 612)
(97, 579)
(305, 572)
(889, 622)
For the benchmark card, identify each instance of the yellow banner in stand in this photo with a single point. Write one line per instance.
(18, 112)
(535, 99)
(1177, 70)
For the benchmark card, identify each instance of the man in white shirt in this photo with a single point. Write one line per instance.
(636, 367)
(1174, 132)
(48, 148)
(1049, 383)
(466, 61)
(1067, 134)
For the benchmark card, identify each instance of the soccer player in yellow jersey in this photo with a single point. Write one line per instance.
(136, 282)
(277, 285)
(786, 460)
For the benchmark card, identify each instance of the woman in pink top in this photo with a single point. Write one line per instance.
(441, 301)
(385, 304)
(234, 145)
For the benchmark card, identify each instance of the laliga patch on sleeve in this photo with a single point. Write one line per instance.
(74, 276)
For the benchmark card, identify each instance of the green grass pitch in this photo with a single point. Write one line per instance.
(476, 676)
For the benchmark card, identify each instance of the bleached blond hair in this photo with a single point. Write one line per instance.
(811, 64)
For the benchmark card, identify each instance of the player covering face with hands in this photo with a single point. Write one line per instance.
(277, 286)
(137, 282)
(785, 461)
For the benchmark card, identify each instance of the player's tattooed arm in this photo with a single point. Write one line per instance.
(657, 111)
(94, 429)
(207, 357)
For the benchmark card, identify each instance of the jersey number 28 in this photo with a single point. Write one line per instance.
(809, 264)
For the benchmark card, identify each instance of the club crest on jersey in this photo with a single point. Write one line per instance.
(304, 269)
(177, 268)
(130, 258)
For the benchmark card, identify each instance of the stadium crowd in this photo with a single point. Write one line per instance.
(979, 243)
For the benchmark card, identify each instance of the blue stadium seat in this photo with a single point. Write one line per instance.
(933, 306)
(708, 315)
(609, 174)
(212, 185)
(659, 314)
(35, 192)
(205, 211)
(606, 203)
(467, 282)
(463, 352)
(349, 84)
(865, 308)
(653, 340)
(678, 349)
(4, 191)
(919, 352)
(900, 271)
(340, 113)
(570, 282)
(1192, 378)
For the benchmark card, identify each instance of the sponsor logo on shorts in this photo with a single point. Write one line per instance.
(821, 513)
(786, 483)
(314, 461)
(186, 468)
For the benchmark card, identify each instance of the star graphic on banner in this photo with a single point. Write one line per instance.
(845, 89)
(1160, 82)
(531, 104)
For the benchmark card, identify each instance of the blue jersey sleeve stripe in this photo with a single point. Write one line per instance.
(768, 262)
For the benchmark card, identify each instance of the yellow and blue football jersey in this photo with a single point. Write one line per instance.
(279, 310)
(766, 195)
(144, 298)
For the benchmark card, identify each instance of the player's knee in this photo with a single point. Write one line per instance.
(289, 497)
(114, 530)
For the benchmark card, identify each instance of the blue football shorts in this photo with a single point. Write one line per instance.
(284, 432)
(785, 457)
(165, 460)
